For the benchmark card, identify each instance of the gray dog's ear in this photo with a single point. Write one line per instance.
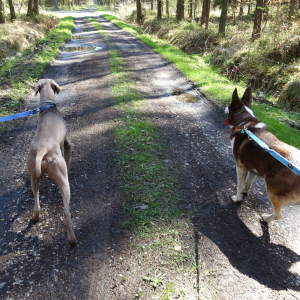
(55, 87)
(37, 88)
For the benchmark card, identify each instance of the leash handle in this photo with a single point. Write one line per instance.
(275, 154)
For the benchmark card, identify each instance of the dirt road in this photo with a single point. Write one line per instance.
(236, 256)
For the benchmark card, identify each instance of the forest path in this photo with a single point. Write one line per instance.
(237, 256)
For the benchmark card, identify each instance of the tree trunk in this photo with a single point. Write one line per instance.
(30, 7)
(191, 9)
(223, 17)
(203, 17)
(292, 10)
(56, 5)
(257, 19)
(12, 10)
(167, 9)
(205, 13)
(139, 15)
(241, 8)
(158, 9)
(2, 14)
(36, 7)
(180, 10)
(151, 4)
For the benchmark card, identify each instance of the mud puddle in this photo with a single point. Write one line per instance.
(181, 95)
(82, 48)
(80, 37)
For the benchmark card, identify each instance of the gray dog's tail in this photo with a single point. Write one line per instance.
(38, 161)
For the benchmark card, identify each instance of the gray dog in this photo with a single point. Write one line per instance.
(45, 155)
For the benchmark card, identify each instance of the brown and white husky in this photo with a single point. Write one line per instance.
(282, 184)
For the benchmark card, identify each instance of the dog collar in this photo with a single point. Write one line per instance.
(243, 123)
(48, 101)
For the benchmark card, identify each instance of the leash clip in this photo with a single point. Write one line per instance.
(245, 131)
(35, 111)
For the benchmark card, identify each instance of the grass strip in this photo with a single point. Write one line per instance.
(145, 177)
(21, 72)
(213, 85)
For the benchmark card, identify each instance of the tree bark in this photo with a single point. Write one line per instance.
(203, 17)
(205, 13)
(257, 19)
(2, 14)
(12, 10)
(223, 17)
(56, 5)
(291, 10)
(241, 8)
(167, 9)
(191, 9)
(30, 7)
(180, 10)
(36, 7)
(139, 16)
(158, 9)
(151, 4)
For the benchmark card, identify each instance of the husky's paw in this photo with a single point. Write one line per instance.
(272, 217)
(236, 198)
(268, 218)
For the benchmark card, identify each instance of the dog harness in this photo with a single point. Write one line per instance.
(30, 112)
(271, 151)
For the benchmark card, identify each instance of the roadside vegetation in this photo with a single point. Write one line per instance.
(20, 72)
(216, 86)
(30, 38)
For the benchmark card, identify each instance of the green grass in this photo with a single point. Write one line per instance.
(21, 72)
(145, 178)
(216, 87)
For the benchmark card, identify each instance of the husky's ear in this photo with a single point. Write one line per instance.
(55, 87)
(247, 97)
(235, 102)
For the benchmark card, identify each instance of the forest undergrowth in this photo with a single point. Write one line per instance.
(266, 64)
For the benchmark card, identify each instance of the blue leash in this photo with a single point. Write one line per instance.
(272, 152)
(25, 113)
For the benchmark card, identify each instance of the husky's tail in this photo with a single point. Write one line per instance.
(38, 161)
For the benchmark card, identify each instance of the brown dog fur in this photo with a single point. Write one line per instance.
(282, 184)
(45, 155)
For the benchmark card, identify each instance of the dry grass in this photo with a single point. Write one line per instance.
(21, 34)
